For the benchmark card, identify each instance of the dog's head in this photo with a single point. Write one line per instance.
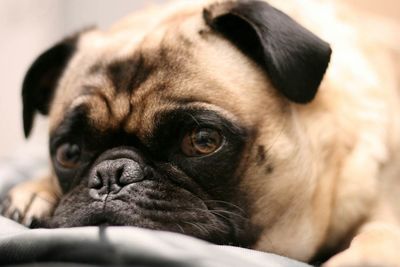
(183, 123)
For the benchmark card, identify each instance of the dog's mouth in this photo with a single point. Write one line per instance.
(100, 219)
(187, 216)
(198, 223)
(102, 223)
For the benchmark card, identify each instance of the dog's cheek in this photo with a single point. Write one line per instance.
(283, 185)
(74, 208)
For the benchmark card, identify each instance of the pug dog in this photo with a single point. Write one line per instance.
(229, 121)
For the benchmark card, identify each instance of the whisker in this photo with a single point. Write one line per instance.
(197, 226)
(180, 228)
(227, 204)
(228, 213)
(219, 212)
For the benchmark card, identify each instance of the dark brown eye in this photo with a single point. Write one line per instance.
(201, 141)
(68, 155)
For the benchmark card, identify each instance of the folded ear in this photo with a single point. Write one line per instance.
(294, 59)
(42, 77)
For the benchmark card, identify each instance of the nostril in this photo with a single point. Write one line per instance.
(132, 173)
(96, 181)
(119, 175)
(148, 172)
(113, 175)
(119, 172)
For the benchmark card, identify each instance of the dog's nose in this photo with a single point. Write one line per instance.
(110, 176)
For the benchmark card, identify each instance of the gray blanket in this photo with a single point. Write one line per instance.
(122, 246)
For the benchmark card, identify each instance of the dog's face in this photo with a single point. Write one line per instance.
(182, 125)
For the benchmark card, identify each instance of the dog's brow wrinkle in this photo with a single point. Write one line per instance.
(106, 102)
(127, 75)
(184, 101)
(96, 68)
(89, 90)
(125, 121)
(93, 91)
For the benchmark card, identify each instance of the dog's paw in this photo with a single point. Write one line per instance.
(28, 202)
(377, 247)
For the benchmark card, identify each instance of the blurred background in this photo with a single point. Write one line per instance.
(28, 27)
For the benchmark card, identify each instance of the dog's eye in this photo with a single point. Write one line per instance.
(68, 155)
(201, 141)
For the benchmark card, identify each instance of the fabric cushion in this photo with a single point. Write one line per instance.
(122, 246)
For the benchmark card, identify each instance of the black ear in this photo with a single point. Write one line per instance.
(293, 57)
(42, 78)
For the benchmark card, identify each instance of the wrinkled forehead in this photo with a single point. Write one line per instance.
(128, 93)
(116, 72)
(125, 78)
